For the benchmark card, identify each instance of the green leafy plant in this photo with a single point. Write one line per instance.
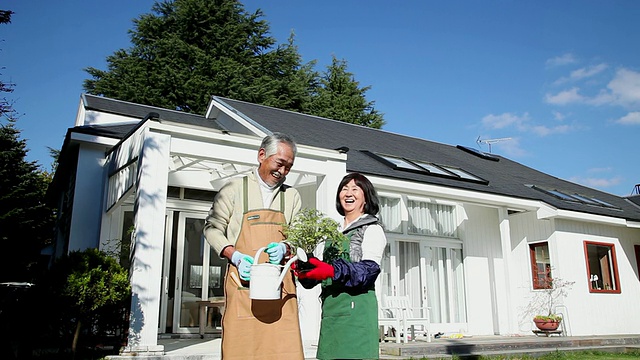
(309, 227)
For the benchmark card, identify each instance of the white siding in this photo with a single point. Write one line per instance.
(482, 258)
(599, 313)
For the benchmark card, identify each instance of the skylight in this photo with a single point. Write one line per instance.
(427, 168)
(463, 174)
(575, 198)
(401, 163)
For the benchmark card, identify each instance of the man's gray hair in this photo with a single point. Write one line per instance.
(270, 143)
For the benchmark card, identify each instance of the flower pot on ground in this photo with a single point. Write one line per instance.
(542, 305)
(547, 323)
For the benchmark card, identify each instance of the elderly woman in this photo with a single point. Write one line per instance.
(348, 271)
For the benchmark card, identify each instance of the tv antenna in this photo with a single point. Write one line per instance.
(491, 141)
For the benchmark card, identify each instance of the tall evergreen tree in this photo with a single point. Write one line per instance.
(340, 97)
(189, 50)
(185, 51)
(26, 223)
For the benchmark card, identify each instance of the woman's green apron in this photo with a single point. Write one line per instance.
(349, 328)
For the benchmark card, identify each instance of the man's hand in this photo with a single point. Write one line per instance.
(321, 271)
(276, 252)
(243, 264)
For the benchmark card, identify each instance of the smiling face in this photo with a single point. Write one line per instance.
(352, 199)
(274, 169)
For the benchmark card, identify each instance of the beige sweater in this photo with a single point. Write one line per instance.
(223, 223)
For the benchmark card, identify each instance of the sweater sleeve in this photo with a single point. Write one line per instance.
(359, 274)
(219, 218)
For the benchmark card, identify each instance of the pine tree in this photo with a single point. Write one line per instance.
(26, 223)
(25, 220)
(186, 51)
(340, 97)
(189, 50)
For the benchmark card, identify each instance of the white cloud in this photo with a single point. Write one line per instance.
(522, 124)
(599, 170)
(582, 73)
(600, 183)
(632, 118)
(587, 71)
(625, 87)
(565, 59)
(558, 115)
(504, 120)
(565, 97)
(542, 130)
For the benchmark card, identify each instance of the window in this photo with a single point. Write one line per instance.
(427, 218)
(390, 214)
(540, 265)
(401, 163)
(602, 268)
(575, 198)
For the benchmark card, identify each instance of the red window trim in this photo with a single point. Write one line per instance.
(615, 267)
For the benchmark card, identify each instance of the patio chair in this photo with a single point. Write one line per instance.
(389, 322)
(410, 316)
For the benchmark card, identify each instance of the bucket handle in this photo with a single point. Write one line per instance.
(300, 254)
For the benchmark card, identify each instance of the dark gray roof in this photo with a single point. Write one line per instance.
(505, 177)
(124, 108)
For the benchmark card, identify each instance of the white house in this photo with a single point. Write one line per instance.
(471, 235)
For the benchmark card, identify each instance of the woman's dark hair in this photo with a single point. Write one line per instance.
(371, 203)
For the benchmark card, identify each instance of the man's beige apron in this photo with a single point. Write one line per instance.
(260, 329)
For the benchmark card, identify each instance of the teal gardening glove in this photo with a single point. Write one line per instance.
(276, 252)
(243, 264)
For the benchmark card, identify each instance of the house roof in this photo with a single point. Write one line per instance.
(119, 107)
(500, 175)
(504, 177)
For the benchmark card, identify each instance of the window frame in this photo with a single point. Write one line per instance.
(535, 273)
(612, 263)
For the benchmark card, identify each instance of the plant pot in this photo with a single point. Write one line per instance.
(546, 325)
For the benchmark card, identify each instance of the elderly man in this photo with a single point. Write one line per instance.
(248, 214)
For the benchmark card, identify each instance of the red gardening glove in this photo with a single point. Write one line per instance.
(321, 271)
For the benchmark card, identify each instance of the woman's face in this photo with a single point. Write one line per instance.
(352, 199)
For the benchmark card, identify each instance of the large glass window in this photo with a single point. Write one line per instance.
(427, 218)
(602, 268)
(540, 265)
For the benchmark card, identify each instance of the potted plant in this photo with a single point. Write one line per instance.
(308, 228)
(544, 302)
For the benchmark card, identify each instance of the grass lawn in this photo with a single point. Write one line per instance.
(560, 355)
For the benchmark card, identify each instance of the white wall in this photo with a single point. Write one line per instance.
(599, 313)
(482, 259)
(87, 200)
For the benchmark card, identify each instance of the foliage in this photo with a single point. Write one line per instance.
(185, 51)
(544, 301)
(310, 227)
(339, 97)
(90, 292)
(26, 222)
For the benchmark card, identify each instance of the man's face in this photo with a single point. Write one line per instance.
(274, 169)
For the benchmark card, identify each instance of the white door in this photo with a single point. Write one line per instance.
(199, 275)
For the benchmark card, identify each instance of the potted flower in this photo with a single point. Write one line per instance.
(543, 303)
(308, 228)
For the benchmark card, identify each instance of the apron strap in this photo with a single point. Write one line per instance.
(282, 201)
(245, 194)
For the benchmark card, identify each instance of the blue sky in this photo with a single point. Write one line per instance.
(560, 80)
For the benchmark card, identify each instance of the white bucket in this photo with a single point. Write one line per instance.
(266, 279)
